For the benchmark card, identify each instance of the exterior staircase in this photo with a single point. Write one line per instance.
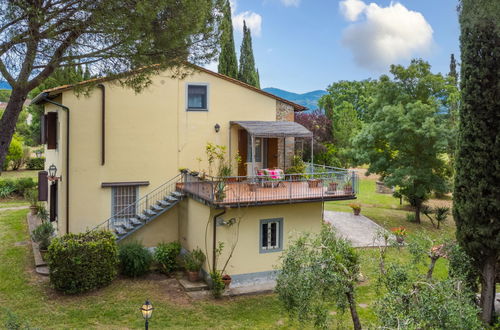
(138, 214)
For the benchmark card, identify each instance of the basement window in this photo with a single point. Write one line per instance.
(197, 97)
(271, 235)
(123, 198)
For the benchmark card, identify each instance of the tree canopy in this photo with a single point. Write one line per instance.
(405, 145)
(121, 39)
(247, 72)
(477, 190)
(228, 64)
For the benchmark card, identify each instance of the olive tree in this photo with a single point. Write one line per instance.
(318, 272)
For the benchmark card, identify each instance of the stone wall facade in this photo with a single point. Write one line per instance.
(285, 112)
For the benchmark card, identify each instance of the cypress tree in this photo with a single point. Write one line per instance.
(477, 181)
(453, 68)
(247, 73)
(228, 64)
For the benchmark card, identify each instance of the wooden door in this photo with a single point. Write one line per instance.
(242, 150)
(53, 202)
(272, 153)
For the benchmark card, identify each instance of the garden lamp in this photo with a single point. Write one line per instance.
(38, 153)
(217, 128)
(147, 311)
(52, 173)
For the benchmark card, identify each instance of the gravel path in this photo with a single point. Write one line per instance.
(360, 230)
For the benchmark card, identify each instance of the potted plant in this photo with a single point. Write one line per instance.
(313, 182)
(298, 167)
(32, 196)
(356, 208)
(348, 186)
(42, 212)
(193, 261)
(43, 235)
(332, 186)
(400, 233)
(227, 280)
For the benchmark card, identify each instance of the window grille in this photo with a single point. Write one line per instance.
(123, 197)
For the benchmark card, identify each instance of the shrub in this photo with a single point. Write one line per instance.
(193, 261)
(7, 188)
(135, 259)
(15, 152)
(23, 184)
(82, 262)
(166, 256)
(43, 234)
(36, 163)
(218, 285)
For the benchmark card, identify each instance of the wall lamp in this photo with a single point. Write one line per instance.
(217, 128)
(52, 174)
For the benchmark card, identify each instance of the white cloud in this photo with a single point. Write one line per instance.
(253, 21)
(351, 9)
(386, 35)
(234, 5)
(291, 3)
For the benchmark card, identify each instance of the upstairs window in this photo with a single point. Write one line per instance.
(271, 235)
(197, 97)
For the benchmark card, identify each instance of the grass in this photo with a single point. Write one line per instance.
(389, 213)
(6, 203)
(19, 174)
(116, 306)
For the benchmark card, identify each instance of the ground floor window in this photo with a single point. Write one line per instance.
(123, 197)
(271, 235)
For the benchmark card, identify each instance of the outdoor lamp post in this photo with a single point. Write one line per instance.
(38, 153)
(147, 311)
(217, 128)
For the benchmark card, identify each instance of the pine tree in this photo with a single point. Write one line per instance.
(228, 63)
(247, 73)
(477, 189)
(453, 68)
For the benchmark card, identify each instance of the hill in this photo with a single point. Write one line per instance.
(309, 100)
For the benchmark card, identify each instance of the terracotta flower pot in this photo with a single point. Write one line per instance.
(193, 276)
(400, 239)
(227, 280)
(332, 186)
(356, 211)
(313, 183)
(252, 187)
(33, 210)
(348, 190)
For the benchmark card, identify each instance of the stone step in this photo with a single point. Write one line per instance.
(127, 226)
(177, 194)
(171, 199)
(143, 217)
(120, 231)
(135, 222)
(157, 208)
(164, 203)
(149, 213)
(192, 286)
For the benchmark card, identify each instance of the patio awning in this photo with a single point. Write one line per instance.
(274, 129)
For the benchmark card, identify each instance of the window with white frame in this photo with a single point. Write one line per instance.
(197, 97)
(123, 197)
(271, 235)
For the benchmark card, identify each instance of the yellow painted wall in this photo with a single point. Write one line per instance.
(149, 136)
(163, 229)
(304, 217)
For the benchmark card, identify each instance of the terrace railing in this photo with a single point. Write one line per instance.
(313, 185)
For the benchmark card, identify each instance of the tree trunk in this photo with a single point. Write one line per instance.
(9, 120)
(417, 213)
(488, 275)
(352, 306)
(431, 267)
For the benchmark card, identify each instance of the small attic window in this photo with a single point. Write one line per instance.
(197, 97)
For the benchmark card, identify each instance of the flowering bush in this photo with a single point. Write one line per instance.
(355, 206)
(399, 231)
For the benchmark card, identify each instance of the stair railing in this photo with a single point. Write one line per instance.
(139, 207)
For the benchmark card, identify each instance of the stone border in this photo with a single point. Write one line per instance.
(40, 265)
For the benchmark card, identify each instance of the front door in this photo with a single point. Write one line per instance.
(272, 153)
(53, 201)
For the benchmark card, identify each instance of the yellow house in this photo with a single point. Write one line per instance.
(113, 160)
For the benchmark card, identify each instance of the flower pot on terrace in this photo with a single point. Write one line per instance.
(313, 183)
(252, 186)
(348, 190)
(332, 186)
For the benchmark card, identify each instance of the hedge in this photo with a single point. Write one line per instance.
(36, 163)
(82, 262)
(135, 259)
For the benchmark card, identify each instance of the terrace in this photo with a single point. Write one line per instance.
(318, 183)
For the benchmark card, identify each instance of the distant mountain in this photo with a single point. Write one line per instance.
(309, 100)
(4, 85)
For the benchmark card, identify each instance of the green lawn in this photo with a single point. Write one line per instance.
(19, 174)
(5, 203)
(387, 211)
(116, 306)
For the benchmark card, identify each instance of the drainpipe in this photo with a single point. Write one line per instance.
(214, 245)
(44, 97)
(103, 123)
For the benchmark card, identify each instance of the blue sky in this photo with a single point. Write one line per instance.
(303, 45)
